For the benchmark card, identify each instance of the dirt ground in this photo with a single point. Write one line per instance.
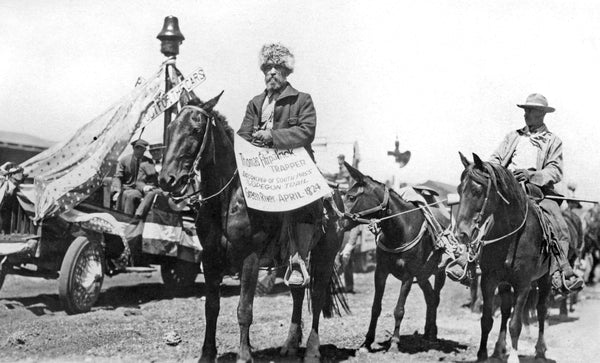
(133, 314)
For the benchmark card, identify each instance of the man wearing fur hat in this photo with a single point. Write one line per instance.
(285, 118)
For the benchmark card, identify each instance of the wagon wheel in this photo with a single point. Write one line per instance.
(81, 276)
(3, 272)
(178, 274)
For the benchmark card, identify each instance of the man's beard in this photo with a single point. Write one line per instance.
(274, 84)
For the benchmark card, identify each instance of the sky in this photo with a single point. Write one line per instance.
(442, 76)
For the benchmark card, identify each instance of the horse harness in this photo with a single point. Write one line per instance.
(374, 222)
(475, 247)
(193, 174)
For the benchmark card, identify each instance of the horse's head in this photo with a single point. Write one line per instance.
(366, 198)
(591, 228)
(189, 146)
(480, 194)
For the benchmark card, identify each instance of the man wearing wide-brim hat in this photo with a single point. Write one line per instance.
(284, 118)
(535, 157)
(135, 176)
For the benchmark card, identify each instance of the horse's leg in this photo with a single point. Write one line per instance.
(248, 279)
(292, 342)
(380, 278)
(505, 308)
(322, 261)
(431, 314)
(516, 322)
(488, 285)
(213, 267)
(543, 292)
(399, 311)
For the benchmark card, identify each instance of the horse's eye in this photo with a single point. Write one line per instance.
(351, 197)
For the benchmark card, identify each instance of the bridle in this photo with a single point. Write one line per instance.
(193, 175)
(483, 226)
(374, 222)
(358, 216)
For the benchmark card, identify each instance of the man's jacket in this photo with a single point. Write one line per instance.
(549, 164)
(294, 120)
(127, 176)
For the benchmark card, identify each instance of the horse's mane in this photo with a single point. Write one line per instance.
(501, 178)
(220, 118)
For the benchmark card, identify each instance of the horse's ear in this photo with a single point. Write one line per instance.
(464, 160)
(210, 104)
(354, 173)
(188, 98)
(477, 161)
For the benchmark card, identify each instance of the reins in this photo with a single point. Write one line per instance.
(374, 222)
(193, 173)
(483, 228)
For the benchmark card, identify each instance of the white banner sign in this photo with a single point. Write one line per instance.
(172, 97)
(276, 180)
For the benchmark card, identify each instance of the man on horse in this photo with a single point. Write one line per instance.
(284, 118)
(534, 155)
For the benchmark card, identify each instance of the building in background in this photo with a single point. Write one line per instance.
(18, 147)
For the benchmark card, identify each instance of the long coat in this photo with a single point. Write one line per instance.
(294, 120)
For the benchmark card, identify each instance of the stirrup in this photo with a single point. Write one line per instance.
(466, 275)
(303, 271)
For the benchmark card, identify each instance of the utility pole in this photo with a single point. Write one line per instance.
(170, 38)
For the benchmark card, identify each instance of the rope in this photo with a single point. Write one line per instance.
(409, 211)
(202, 200)
(406, 246)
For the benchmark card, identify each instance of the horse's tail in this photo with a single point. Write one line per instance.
(335, 303)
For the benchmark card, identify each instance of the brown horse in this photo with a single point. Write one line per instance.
(591, 238)
(404, 249)
(200, 143)
(495, 207)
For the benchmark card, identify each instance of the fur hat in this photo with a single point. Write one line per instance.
(276, 53)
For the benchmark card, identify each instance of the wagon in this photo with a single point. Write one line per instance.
(61, 223)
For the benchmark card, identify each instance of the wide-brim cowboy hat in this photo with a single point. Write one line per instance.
(538, 102)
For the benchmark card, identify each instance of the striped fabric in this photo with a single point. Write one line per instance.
(165, 233)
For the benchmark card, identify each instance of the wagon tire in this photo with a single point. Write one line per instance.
(81, 276)
(3, 273)
(178, 275)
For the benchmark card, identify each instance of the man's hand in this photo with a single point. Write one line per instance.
(115, 197)
(522, 175)
(263, 136)
(147, 188)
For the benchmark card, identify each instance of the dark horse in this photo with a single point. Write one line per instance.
(200, 143)
(591, 238)
(494, 206)
(405, 249)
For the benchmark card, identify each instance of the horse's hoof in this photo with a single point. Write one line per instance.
(240, 360)
(482, 356)
(312, 359)
(364, 350)
(394, 345)
(209, 358)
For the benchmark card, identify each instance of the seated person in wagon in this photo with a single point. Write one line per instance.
(134, 178)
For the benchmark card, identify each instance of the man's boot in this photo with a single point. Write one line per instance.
(297, 274)
(564, 280)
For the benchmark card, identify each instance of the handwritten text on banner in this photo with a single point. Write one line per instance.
(276, 180)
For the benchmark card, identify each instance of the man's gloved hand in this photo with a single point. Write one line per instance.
(147, 188)
(115, 197)
(263, 136)
(522, 175)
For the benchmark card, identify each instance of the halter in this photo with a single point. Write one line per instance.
(373, 223)
(475, 247)
(193, 174)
